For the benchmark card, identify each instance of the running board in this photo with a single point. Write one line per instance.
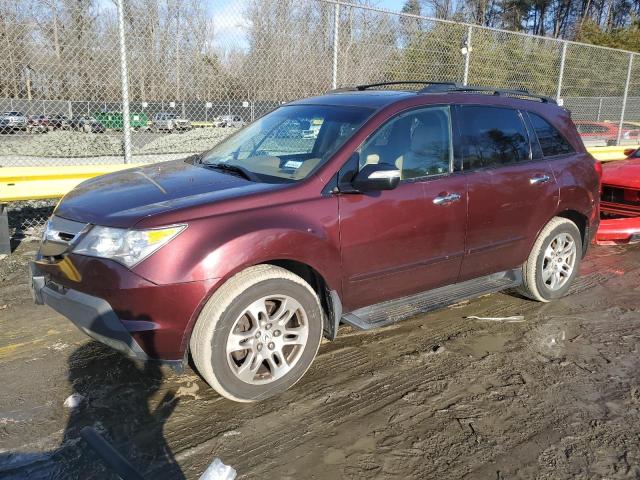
(393, 311)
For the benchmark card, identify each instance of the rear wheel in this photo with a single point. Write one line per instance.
(554, 261)
(258, 334)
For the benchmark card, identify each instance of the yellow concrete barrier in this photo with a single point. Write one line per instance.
(31, 183)
(607, 154)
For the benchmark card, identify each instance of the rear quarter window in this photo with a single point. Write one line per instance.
(551, 140)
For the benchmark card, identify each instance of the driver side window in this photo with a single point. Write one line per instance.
(417, 142)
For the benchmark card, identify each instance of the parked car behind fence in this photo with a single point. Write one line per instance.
(15, 121)
(170, 122)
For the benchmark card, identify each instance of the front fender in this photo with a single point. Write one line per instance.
(264, 246)
(217, 247)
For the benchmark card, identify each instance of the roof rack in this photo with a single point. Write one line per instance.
(385, 84)
(441, 87)
(509, 92)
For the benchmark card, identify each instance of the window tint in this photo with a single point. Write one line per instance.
(551, 140)
(493, 137)
(418, 143)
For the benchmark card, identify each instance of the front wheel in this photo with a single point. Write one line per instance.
(258, 334)
(554, 261)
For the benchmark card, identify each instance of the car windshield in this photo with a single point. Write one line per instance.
(289, 143)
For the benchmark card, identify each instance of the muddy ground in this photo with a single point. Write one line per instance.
(439, 396)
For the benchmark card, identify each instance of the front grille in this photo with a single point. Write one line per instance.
(625, 196)
(620, 201)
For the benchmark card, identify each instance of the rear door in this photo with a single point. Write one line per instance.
(512, 192)
(403, 241)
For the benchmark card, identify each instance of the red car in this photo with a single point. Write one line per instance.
(606, 131)
(242, 257)
(620, 201)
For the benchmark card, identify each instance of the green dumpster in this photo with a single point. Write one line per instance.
(113, 120)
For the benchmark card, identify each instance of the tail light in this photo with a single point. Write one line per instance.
(597, 166)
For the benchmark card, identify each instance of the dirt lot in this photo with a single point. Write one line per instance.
(439, 396)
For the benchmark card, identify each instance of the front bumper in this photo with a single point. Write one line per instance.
(616, 231)
(117, 307)
(92, 315)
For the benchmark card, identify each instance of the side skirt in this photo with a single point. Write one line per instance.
(392, 311)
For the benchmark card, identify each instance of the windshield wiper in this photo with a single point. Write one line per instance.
(233, 169)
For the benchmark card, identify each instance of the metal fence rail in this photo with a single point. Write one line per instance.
(229, 64)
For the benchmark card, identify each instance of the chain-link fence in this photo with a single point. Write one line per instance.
(198, 70)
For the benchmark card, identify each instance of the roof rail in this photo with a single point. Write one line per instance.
(491, 90)
(384, 84)
(442, 87)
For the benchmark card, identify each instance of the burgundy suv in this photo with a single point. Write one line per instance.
(397, 202)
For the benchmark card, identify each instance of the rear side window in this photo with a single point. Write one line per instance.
(551, 140)
(493, 137)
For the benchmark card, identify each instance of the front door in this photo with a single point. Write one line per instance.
(403, 241)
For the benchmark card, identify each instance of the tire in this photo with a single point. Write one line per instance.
(536, 282)
(228, 308)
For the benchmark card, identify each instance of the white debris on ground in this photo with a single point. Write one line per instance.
(73, 401)
(197, 140)
(218, 471)
(61, 144)
(511, 319)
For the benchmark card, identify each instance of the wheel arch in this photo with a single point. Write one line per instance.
(329, 298)
(582, 222)
(328, 294)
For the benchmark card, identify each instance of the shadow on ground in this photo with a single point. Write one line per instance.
(118, 397)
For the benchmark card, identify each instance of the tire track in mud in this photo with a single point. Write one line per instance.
(319, 395)
(369, 397)
(360, 403)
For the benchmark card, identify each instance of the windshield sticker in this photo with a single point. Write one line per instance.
(293, 164)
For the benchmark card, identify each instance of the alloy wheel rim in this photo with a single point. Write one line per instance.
(559, 261)
(267, 339)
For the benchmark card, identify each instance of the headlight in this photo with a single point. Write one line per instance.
(125, 246)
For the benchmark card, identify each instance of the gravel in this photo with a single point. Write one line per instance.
(61, 144)
(197, 140)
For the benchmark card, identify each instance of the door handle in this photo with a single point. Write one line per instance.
(446, 199)
(538, 179)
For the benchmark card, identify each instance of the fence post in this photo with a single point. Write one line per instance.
(599, 109)
(561, 74)
(467, 55)
(5, 239)
(336, 30)
(126, 126)
(624, 98)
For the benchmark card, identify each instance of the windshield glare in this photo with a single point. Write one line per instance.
(290, 142)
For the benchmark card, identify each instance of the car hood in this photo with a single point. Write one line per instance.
(123, 198)
(625, 173)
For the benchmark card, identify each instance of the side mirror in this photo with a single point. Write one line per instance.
(628, 151)
(375, 177)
